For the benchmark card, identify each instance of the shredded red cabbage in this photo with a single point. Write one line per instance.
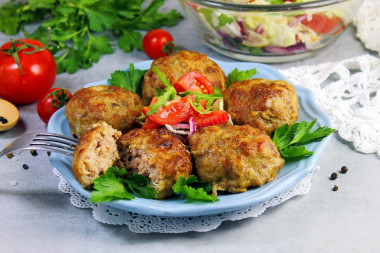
(299, 47)
(259, 29)
(299, 19)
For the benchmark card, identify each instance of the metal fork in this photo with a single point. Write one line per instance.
(42, 141)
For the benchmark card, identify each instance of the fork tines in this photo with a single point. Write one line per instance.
(52, 142)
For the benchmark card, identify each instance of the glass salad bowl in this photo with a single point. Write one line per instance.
(270, 31)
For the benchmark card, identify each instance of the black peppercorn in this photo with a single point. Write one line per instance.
(25, 166)
(335, 188)
(344, 169)
(33, 152)
(48, 153)
(3, 120)
(334, 176)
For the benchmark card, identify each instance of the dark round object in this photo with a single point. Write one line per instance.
(344, 169)
(333, 176)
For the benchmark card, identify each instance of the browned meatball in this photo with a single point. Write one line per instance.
(114, 105)
(95, 153)
(156, 154)
(262, 103)
(234, 158)
(175, 66)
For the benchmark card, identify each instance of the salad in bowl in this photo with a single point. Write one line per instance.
(270, 30)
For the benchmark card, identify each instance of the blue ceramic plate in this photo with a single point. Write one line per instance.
(288, 176)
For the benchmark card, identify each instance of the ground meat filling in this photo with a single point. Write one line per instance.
(95, 153)
(156, 154)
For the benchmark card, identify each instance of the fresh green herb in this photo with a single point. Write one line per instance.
(242, 75)
(82, 28)
(140, 186)
(193, 189)
(113, 185)
(290, 140)
(163, 96)
(110, 186)
(210, 98)
(129, 80)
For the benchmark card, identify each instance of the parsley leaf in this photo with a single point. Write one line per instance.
(110, 186)
(9, 23)
(130, 40)
(113, 185)
(191, 193)
(163, 96)
(242, 75)
(140, 186)
(295, 152)
(129, 80)
(289, 140)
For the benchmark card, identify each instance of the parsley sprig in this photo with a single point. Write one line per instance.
(129, 79)
(290, 139)
(113, 185)
(236, 75)
(82, 28)
(193, 189)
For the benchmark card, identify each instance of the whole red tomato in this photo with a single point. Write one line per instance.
(51, 101)
(155, 41)
(39, 72)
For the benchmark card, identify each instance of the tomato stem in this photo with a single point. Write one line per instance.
(60, 98)
(170, 48)
(13, 50)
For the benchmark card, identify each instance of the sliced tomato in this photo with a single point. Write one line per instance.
(149, 124)
(194, 81)
(216, 117)
(322, 24)
(176, 111)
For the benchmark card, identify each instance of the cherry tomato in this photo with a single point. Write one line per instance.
(154, 42)
(194, 81)
(322, 24)
(216, 117)
(176, 111)
(51, 101)
(39, 72)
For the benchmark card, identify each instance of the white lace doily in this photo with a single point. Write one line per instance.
(367, 22)
(148, 224)
(349, 92)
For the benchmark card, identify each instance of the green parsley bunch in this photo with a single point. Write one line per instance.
(81, 27)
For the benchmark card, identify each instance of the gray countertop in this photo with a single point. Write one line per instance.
(36, 217)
